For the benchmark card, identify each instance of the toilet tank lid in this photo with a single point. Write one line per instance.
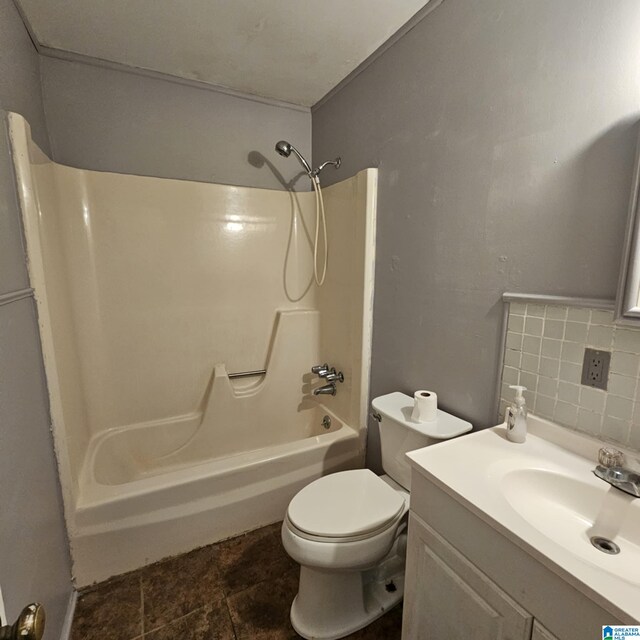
(399, 406)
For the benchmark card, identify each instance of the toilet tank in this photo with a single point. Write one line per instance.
(399, 434)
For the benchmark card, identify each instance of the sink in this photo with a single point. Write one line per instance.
(543, 496)
(570, 511)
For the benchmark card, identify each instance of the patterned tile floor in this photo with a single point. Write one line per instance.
(239, 589)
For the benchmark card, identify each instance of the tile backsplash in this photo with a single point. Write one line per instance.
(544, 352)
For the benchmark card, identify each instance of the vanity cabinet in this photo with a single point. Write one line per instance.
(466, 579)
(447, 597)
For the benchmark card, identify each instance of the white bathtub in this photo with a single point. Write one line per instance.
(159, 448)
(122, 526)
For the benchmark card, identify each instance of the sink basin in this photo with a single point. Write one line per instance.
(543, 496)
(570, 511)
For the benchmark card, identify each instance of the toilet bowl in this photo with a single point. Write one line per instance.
(318, 531)
(344, 530)
(348, 530)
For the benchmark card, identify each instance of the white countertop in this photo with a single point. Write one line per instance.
(543, 496)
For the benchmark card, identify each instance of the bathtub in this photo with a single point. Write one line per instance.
(160, 447)
(185, 507)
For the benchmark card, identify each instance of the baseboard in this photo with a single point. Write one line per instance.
(65, 633)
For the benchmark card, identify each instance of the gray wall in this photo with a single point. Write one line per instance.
(111, 120)
(34, 556)
(19, 73)
(504, 131)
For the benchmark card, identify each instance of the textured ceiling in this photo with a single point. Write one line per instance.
(290, 50)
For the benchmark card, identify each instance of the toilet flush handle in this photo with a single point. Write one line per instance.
(28, 626)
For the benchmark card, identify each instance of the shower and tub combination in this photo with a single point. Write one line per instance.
(179, 324)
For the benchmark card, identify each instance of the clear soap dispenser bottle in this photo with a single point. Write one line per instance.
(517, 416)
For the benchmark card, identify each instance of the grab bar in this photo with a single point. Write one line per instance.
(247, 374)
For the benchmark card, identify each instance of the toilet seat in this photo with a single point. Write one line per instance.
(345, 506)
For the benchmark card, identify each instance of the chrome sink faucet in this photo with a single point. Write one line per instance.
(611, 470)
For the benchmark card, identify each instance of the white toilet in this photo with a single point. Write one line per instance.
(348, 530)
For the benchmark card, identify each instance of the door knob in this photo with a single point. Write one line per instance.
(28, 626)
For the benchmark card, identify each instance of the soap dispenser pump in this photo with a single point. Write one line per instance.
(517, 417)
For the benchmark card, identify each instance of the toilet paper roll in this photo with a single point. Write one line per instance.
(425, 406)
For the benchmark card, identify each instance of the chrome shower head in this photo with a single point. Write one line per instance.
(285, 148)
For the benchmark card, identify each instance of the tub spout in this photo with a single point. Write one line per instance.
(326, 390)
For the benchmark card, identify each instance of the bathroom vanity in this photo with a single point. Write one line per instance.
(499, 540)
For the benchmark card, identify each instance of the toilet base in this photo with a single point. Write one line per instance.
(331, 605)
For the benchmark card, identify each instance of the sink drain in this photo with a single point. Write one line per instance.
(605, 545)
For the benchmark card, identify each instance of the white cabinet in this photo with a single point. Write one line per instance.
(447, 597)
(466, 579)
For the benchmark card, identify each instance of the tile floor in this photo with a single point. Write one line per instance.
(239, 589)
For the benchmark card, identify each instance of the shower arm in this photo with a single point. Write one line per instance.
(336, 163)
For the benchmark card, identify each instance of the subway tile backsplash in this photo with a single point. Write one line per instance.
(544, 352)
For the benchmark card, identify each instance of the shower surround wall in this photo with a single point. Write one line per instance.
(150, 292)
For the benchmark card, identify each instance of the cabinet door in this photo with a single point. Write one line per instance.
(540, 633)
(447, 598)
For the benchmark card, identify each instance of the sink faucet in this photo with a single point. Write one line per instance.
(611, 470)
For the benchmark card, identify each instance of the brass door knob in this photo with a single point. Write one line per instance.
(28, 626)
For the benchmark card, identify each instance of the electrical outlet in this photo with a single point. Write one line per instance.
(595, 368)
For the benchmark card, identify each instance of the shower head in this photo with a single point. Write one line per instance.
(285, 148)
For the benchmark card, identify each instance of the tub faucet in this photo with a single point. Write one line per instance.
(326, 390)
(330, 375)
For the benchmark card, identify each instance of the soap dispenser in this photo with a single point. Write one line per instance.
(517, 416)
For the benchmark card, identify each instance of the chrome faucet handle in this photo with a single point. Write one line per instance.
(611, 469)
(320, 368)
(610, 457)
(334, 376)
(620, 478)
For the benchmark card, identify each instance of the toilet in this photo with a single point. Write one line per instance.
(348, 530)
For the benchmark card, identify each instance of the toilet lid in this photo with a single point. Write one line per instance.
(344, 504)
